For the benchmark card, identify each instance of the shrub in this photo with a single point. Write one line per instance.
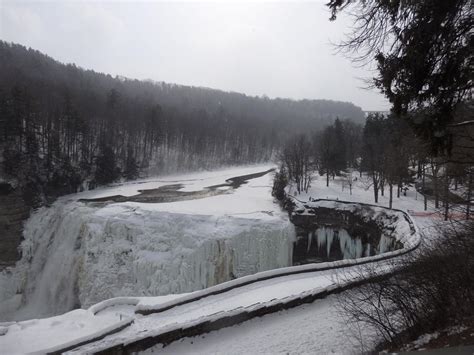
(426, 291)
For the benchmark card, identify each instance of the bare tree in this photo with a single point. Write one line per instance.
(412, 299)
(297, 158)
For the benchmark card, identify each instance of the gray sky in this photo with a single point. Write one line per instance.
(281, 49)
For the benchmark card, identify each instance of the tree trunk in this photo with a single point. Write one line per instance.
(327, 178)
(382, 186)
(436, 192)
(425, 199)
(390, 201)
(446, 196)
(420, 171)
(376, 190)
(469, 195)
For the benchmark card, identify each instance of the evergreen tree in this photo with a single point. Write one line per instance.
(106, 168)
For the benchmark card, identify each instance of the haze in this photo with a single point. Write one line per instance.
(278, 49)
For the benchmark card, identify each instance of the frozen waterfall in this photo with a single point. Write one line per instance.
(75, 255)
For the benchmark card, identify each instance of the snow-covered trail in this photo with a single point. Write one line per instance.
(77, 326)
(317, 328)
(246, 298)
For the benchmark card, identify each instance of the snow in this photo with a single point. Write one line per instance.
(183, 251)
(235, 301)
(114, 313)
(193, 181)
(362, 192)
(425, 339)
(45, 335)
(315, 328)
(72, 327)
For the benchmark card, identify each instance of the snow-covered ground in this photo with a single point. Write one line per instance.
(316, 328)
(362, 192)
(129, 247)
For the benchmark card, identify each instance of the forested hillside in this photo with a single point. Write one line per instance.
(62, 126)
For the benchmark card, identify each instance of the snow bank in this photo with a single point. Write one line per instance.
(51, 334)
(230, 308)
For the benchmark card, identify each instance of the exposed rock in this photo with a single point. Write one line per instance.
(13, 212)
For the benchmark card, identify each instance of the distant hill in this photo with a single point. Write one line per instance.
(65, 125)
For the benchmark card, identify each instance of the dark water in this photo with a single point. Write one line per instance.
(171, 193)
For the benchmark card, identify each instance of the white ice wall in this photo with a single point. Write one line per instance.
(74, 254)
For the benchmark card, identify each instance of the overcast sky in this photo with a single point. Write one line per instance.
(281, 49)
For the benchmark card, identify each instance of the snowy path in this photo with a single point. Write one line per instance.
(249, 297)
(315, 328)
(79, 325)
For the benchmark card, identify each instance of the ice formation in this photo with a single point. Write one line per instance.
(75, 255)
(350, 247)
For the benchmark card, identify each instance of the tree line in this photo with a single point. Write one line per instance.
(387, 151)
(63, 128)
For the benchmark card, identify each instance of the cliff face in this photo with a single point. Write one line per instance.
(13, 212)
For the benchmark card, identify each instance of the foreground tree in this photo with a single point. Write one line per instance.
(415, 299)
(423, 51)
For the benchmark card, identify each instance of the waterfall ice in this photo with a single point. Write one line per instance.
(75, 255)
(384, 244)
(350, 247)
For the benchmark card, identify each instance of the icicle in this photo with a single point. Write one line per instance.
(344, 239)
(321, 234)
(367, 250)
(329, 239)
(310, 237)
(359, 248)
